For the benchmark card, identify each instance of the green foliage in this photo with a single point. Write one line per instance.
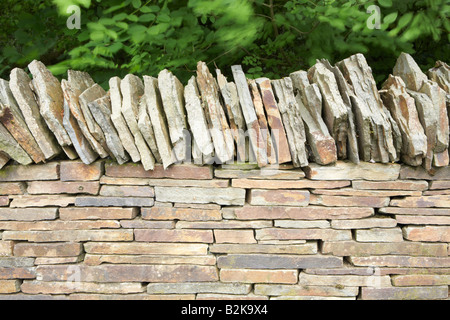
(269, 37)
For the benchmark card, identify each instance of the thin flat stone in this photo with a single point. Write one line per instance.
(19, 130)
(20, 87)
(274, 120)
(50, 99)
(12, 148)
(132, 89)
(292, 120)
(321, 144)
(234, 114)
(72, 88)
(440, 74)
(101, 111)
(172, 97)
(159, 122)
(218, 125)
(119, 122)
(407, 69)
(146, 127)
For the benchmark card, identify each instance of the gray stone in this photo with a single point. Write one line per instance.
(222, 196)
(113, 202)
(119, 122)
(20, 88)
(171, 91)
(407, 69)
(441, 75)
(12, 148)
(101, 111)
(292, 120)
(198, 287)
(50, 99)
(146, 128)
(16, 262)
(159, 122)
(132, 89)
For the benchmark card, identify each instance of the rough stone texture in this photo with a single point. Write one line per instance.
(132, 88)
(20, 87)
(48, 171)
(411, 293)
(77, 171)
(184, 171)
(227, 196)
(295, 198)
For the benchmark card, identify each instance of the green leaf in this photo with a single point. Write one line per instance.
(385, 3)
(136, 3)
(390, 18)
(404, 20)
(147, 17)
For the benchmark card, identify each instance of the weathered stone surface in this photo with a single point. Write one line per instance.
(221, 134)
(234, 236)
(4, 158)
(416, 211)
(401, 261)
(184, 214)
(274, 120)
(223, 224)
(119, 122)
(172, 97)
(423, 220)
(302, 234)
(131, 273)
(258, 276)
(127, 191)
(295, 198)
(420, 280)
(287, 184)
(367, 223)
(411, 293)
(407, 69)
(303, 291)
(146, 128)
(390, 185)
(78, 171)
(256, 136)
(436, 185)
(77, 83)
(373, 124)
(20, 87)
(403, 109)
(47, 249)
(80, 296)
(12, 188)
(97, 213)
(335, 112)
(309, 248)
(113, 202)
(159, 121)
(321, 144)
(16, 262)
(59, 187)
(263, 125)
(222, 196)
(28, 214)
(366, 193)
(442, 201)
(301, 213)
(17, 273)
(15, 124)
(353, 248)
(50, 99)
(58, 225)
(418, 173)
(302, 224)
(198, 287)
(49, 171)
(350, 171)
(344, 280)
(427, 233)
(11, 148)
(441, 75)
(222, 297)
(198, 122)
(143, 248)
(379, 235)
(259, 174)
(180, 171)
(101, 111)
(354, 201)
(292, 120)
(346, 270)
(70, 235)
(95, 259)
(6, 249)
(235, 116)
(273, 261)
(39, 287)
(143, 224)
(58, 260)
(9, 286)
(24, 201)
(170, 235)
(132, 89)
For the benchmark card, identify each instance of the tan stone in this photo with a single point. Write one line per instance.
(9, 286)
(423, 220)
(427, 233)
(47, 249)
(49, 171)
(185, 214)
(303, 234)
(97, 259)
(442, 201)
(127, 191)
(298, 249)
(40, 287)
(295, 198)
(78, 171)
(97, 213)
(234, 236)
(421, 280)
(142, 248)
(379, 235)
(12, 188)
(401, 261)
(258, 276)
(180, 171)
(69, 235)
(58, 187)
(344, 280)
(411, 293)
(300, 290)
(58, 225)
(350, 171)
(23, 201)
(170, 235)
(390, 185)
(354, 201)
(368, 223)
(287, 184)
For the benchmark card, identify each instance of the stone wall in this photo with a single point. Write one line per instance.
(106, 231)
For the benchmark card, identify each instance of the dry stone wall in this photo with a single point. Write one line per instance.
(313, 186)
(109, 231)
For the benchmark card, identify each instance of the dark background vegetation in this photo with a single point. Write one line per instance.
(268, 37)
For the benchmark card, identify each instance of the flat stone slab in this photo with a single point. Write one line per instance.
(350, 171)
(222, 196)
